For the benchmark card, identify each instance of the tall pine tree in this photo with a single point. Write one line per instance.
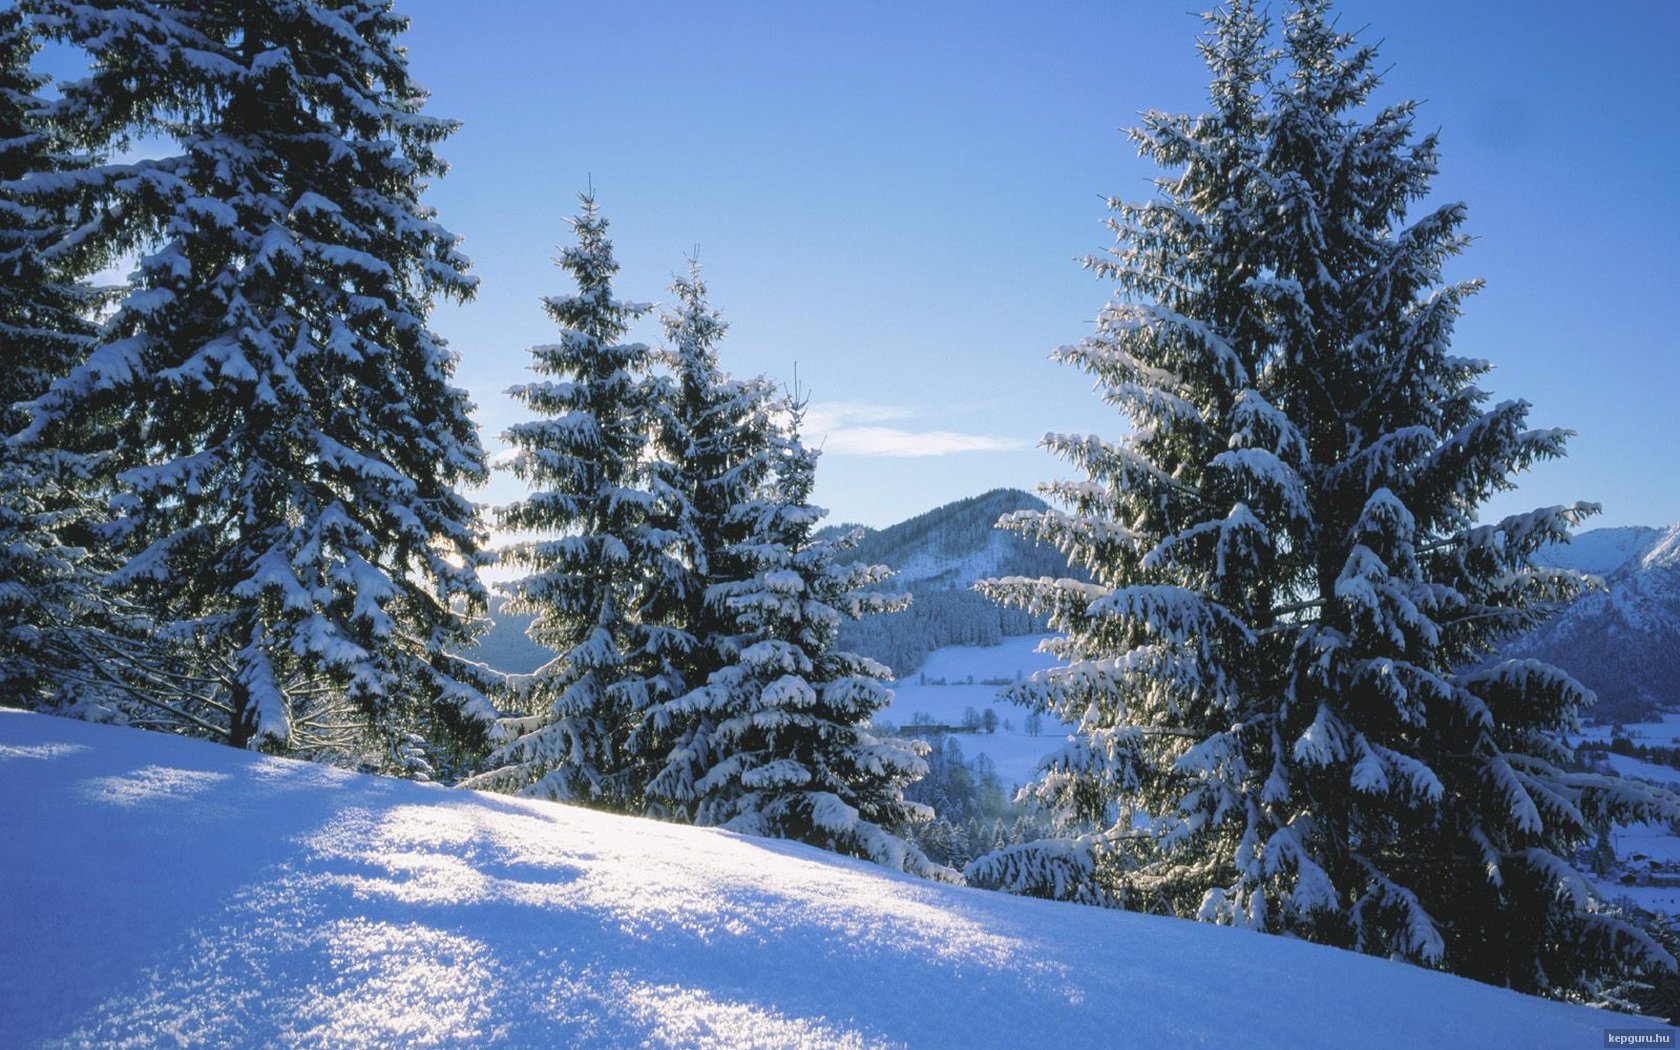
(44, 320)
(600, 563)
(712, 458)
(286, 438)
(780, 743)
(1288, 718)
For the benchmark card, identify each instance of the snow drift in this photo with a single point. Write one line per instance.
(158, 891)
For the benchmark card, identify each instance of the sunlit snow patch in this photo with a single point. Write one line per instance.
(151, 784)
(177, 893)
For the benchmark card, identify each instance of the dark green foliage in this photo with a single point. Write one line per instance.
(44, 324)
(277, 418)
(597, 561)
(46, 575)
(973, 813)
(1286, 717)
(935, 619)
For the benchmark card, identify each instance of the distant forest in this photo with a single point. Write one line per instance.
(938, 556)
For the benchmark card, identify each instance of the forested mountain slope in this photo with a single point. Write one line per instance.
(937, 557)
(1622, 641)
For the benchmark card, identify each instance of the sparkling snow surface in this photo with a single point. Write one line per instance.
(157, 891)
(965, 669)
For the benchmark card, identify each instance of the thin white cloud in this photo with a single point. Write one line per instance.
(891, 441)
(838, 415)
(854, 429)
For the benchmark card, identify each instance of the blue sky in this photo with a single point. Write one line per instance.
(893, 197)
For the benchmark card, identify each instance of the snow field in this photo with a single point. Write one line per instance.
(1015, 752)
(1654, 841)
(166, 892)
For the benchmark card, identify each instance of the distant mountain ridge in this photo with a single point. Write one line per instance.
(954, 545)
(1622, 642)
(1600, 551)
(505, 645)
(937, 557)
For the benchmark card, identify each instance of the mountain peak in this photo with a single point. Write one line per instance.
(952, 546)
(1623, 641)
(1664, 551)
(1599, 551)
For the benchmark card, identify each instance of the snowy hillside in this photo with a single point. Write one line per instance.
(166, 892)
(1663, 552)
(1643, 850)
(937, 557)
(951, 546)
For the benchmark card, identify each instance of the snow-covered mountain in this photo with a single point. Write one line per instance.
(164, 892)
(1600, 551)
(1623, 641)
(937, 556)
(950, 547)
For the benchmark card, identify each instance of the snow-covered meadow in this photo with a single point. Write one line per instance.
(161, 892)
(1644, 844)
(960, 678)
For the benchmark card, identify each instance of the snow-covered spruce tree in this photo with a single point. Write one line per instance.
(286, 438)
(781, 744)
(44, 310)
(712, 458)
(1287, 716)
(45, 331)
(600, 564)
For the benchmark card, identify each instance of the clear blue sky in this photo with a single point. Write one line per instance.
(894, 195)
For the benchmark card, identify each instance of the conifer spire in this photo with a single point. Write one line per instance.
(1289, 716)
